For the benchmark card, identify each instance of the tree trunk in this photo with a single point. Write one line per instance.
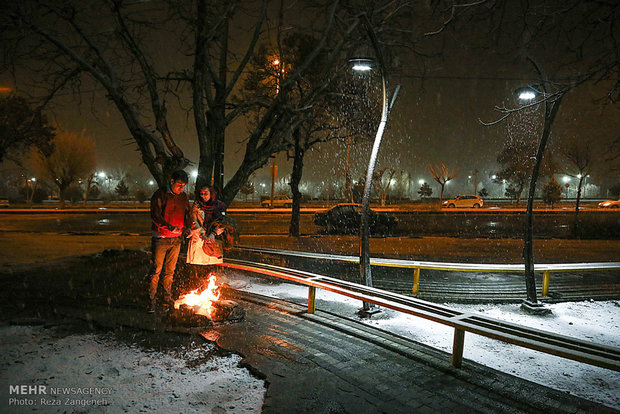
(579, 194)
(576, 218)
(206, 147)
(347, 175)
(220, 112)
(62, 190)
(298, 165)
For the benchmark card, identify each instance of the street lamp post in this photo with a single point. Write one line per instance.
(531, 304)
(365, 271)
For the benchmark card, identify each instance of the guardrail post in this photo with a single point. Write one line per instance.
(457, 347)
(545, 282)
(311, 299)
(416, 280)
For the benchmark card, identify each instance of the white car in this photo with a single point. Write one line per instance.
(278, 201)
(610, 204)
(467, 201)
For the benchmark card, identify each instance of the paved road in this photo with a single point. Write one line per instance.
(600, 224)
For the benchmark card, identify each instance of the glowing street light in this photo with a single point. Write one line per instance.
(421, 181)
(526, 93)
(362, 64)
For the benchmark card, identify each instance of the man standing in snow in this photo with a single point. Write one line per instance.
(169, 217)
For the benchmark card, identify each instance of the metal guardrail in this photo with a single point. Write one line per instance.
(417, 266)
(554, 344)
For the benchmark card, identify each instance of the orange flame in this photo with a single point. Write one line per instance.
(201, 302)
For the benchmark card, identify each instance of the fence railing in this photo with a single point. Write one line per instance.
(548, 342)
(417, 266)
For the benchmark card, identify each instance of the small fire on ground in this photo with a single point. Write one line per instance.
(201, 302)
(204, 306)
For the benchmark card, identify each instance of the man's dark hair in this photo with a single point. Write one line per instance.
(179, 175)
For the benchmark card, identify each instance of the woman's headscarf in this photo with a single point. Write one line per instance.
(213, 197)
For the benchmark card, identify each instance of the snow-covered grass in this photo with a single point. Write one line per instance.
(594, 321)
(118, 377)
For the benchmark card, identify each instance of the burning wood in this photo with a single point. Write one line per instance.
(202, 307)
(201, 302)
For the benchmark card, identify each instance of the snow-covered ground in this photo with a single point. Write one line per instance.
(594, 321)
(97, 374)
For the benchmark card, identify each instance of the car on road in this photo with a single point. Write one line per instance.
(278, 201)
(346, 218)
(4, 202)
(464, 201)
(610, 204)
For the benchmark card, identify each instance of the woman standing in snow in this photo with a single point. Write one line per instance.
(203, 244)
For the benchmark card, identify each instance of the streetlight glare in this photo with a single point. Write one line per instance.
(194, 173)
(362, 64)
(566, 179)
(361, 68)
(527, 95)
(101, 174)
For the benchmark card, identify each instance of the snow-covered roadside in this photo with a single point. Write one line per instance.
(92, 373)
(595, 321)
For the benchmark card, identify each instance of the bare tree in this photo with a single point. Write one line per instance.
(474, 177)
(89, 181)
(442, 174)
(581, 158)
(111, 44)
(383, 184)
(73, 158)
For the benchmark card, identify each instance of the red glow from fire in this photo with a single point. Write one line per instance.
(201, 302)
